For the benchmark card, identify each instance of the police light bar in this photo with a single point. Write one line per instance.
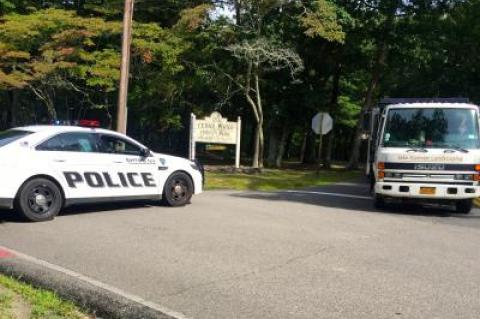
(89, 123)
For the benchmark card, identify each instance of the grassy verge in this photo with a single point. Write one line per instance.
(5, 304)
(40, 304)
(273, 180)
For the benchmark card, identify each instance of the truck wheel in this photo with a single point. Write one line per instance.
(379, 202)
(39, 200)
(464, 206)
(178, 190)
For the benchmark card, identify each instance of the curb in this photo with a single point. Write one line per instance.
(103, 303)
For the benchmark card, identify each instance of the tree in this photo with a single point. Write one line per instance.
(261, 49)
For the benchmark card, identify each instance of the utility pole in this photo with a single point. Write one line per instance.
(125, 67)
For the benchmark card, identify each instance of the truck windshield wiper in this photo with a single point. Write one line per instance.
(450, 147)
(417, 149)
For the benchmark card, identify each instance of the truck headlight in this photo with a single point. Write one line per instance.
(393, 175)
(465, 177)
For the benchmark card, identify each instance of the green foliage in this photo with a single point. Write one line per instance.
(323, 21)
(44, 304)
(62, 60)
(52, 50)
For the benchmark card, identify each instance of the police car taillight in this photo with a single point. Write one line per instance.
(89, 123)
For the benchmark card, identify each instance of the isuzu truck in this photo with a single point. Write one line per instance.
(425, 150)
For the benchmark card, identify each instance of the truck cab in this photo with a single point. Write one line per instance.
(425, 151)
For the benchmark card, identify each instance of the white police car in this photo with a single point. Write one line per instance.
(45, 168)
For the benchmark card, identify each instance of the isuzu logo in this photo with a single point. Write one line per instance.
(429, 167)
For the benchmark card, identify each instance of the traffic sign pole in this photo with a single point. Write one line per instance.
(322, 124)
(320, 145)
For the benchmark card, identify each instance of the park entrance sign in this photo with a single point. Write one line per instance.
(215, 129)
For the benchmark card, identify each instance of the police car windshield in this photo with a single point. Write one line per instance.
(7, 137)
(432, 128)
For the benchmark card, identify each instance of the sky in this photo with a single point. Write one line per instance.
(225, 11)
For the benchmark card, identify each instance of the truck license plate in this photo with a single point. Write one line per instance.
(428, 190)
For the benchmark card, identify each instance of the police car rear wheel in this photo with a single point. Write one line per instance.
(178, 190)
(40, 200)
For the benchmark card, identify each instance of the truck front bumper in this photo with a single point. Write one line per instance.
(417, 190)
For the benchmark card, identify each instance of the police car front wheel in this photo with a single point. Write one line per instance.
(178, 190)
(39, 200)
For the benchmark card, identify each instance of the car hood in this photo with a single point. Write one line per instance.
(165, 159)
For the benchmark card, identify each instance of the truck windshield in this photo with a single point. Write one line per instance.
(7, 137)
(432, 128)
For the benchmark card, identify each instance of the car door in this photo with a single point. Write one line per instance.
(74, 159)
(133, 169)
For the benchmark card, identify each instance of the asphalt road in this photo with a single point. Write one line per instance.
(272, 255)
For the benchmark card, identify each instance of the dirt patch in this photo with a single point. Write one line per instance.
(17, 308)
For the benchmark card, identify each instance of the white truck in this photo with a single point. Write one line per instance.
(425, 150)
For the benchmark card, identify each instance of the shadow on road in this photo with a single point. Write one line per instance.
(317, 197)
(10, 216)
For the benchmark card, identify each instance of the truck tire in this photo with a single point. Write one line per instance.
(379, 202)
(178, 190)
(464, 206)
(39, 200)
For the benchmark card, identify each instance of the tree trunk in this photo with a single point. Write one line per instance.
(377, 70)
(333, 109)
(80, 6)
(261, 139)
(13, 107)
(238, 11)
(273, 145)
(310, 149)
(281, 148)
(256, 147)
(303, 148)
(328, 156)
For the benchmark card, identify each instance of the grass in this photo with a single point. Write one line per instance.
(5, 305)
(273, 180)
(44, 304)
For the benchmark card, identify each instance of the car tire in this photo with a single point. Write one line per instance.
(178, 190)
(39, 200)
(464, 206)
(379, 202)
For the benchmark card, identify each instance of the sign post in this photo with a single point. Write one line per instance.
(322, 124)
(237, 146)
(215, 129)
(192, 144)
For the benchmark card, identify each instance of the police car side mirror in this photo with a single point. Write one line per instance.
(145, 152)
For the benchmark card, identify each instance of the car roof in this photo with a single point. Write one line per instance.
(62, 128)
(432, 104)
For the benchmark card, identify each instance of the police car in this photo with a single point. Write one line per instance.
(46, 168)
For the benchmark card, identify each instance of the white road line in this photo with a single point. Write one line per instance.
(329, 194)
(98, 284)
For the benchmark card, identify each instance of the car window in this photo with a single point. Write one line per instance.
(115, 145)
(70, 142)
(7, 137)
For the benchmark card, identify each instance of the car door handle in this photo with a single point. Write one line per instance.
(59, 160)
(118, 162)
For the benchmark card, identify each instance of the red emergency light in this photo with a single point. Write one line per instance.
(89, 123)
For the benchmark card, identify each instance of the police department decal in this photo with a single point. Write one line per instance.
(149, 161)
